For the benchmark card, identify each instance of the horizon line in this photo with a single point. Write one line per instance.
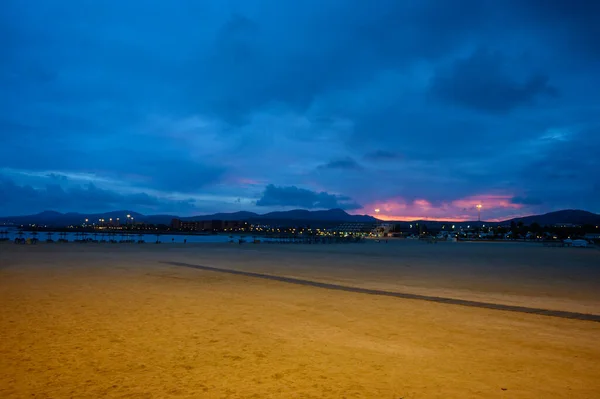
(379, 217)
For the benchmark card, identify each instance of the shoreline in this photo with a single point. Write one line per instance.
(526, 275)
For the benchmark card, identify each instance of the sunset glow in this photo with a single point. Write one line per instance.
(493, 208)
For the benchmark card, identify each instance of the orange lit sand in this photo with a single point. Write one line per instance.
(79, 321)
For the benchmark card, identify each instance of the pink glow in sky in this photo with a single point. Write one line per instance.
(242, 181)
(493, 208)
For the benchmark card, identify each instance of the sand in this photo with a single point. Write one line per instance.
(88, 321)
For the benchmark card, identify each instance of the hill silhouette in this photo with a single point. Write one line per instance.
(53, 218)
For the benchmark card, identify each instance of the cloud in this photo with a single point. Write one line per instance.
(293, 196)
(495, 207)
(343, 164)
(148, 163)
(57, 176)
(483, 81)
(18, 199)
(382, 155)
(559, 170)
(180, 175)
(525, 201)
(572, 25)
(211, 100)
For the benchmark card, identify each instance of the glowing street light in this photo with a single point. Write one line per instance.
(478, 212)
(377, 213)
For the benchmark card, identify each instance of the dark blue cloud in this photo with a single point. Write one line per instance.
(343, 164)
(58, 177)
(213, 101)
(383, 155)
(525, 201)
(18, 199)
(483, 82)
(293, 196)
(571, 25)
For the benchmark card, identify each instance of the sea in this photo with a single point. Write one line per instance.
(12, 233)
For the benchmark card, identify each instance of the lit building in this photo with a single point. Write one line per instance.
(205, 225)
(354, 228)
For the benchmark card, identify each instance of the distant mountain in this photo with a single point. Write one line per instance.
(568, 216)
(157, 219)
(332, 215)
(242, 215)
(52, 218)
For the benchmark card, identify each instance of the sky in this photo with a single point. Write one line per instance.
(422, 109)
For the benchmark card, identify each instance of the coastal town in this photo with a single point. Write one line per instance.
(131, 230)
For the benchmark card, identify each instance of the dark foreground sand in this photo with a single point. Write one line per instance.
(89, 321)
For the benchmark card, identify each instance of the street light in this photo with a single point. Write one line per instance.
(377, 229)
(479, 212)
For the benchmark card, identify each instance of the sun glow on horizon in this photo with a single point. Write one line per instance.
(498, 208)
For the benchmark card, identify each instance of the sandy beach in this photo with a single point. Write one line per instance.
(101, 320)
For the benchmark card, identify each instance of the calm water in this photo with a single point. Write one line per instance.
(164, 238)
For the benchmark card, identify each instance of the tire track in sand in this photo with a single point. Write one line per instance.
(450, 301)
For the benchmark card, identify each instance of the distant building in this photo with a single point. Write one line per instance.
(205, 225)
(355, 228)
(385, 228)
(211, 225)
(566, 225)
(232, 224)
